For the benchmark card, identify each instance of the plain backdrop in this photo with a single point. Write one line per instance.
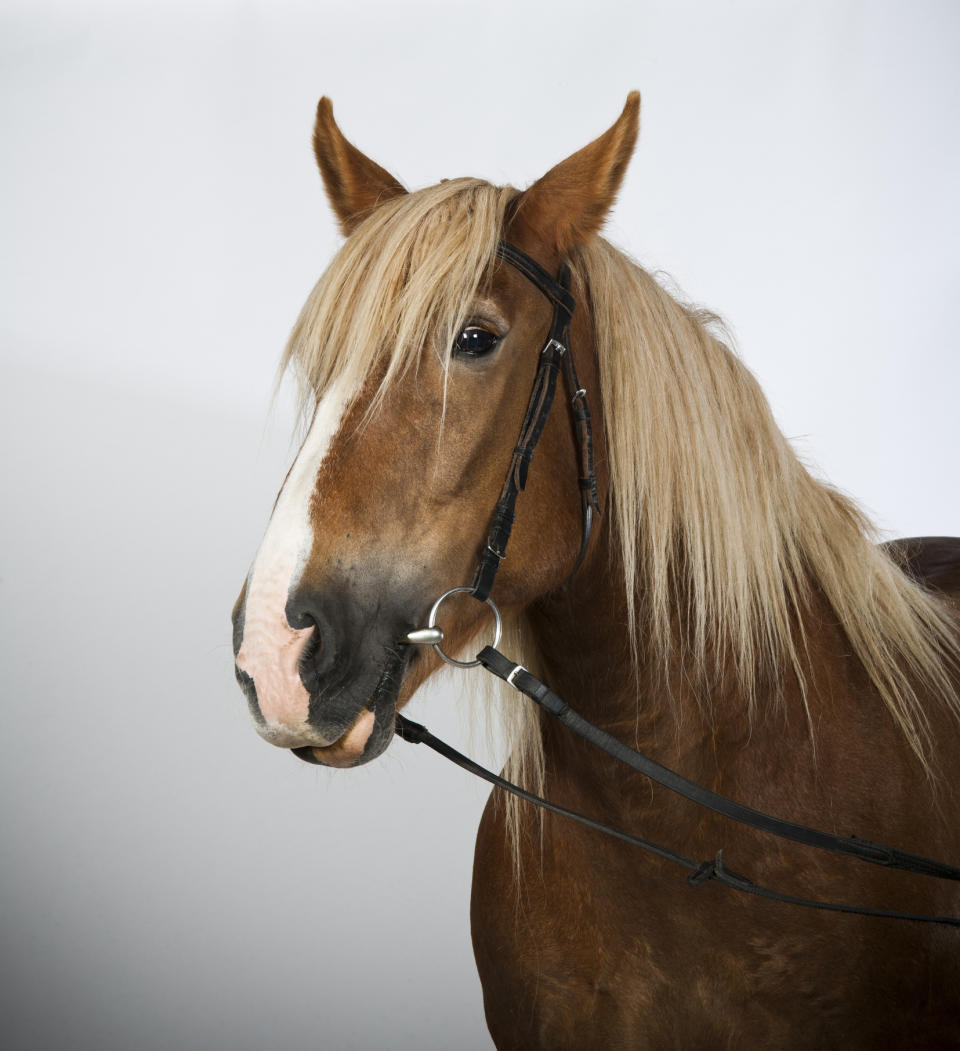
(169, 880)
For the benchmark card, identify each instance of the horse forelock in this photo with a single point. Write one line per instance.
(403, 281)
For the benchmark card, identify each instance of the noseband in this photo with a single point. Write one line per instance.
(554, 356)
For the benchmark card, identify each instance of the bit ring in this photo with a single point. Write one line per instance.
(432, 623)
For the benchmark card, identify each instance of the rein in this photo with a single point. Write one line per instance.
(554, 356)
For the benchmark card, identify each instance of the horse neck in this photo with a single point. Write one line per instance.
(581, 635)
(582, 639)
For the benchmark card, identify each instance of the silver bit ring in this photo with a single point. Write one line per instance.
(432, 623)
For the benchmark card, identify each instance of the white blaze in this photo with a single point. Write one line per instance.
(271, 647)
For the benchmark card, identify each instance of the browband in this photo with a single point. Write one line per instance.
(558, 291)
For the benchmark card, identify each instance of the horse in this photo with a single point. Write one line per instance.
(732, 616)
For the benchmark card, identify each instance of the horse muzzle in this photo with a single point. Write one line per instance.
(321, 680)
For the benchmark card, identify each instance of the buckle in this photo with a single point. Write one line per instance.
(516, 671)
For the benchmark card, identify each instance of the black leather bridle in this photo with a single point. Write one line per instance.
(554, 356)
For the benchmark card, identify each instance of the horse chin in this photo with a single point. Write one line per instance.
(370, 733)
(361, 743)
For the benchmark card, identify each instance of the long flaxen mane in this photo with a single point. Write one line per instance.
(713, 511)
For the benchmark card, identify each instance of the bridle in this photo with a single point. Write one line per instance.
(555, 356)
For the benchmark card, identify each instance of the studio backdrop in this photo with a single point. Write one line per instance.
(169, 880)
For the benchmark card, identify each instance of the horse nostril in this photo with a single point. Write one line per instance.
(318, 657)
(311, 657)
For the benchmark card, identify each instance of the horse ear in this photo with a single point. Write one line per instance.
(354, 183)
(569, 204)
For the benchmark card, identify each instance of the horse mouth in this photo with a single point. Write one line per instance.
(349, 750)
(371, 732)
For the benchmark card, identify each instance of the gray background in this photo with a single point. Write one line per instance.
(168, 880)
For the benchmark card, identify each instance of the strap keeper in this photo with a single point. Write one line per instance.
(705, 871)
(516, 671)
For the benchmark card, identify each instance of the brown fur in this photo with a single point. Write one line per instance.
(817, 682)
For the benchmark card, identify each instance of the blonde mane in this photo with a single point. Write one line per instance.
(713, 511)
(718, 517)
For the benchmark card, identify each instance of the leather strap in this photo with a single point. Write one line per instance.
(589, 496)
(877, 854)
(556, 290)
(554, 355)
(700, 873)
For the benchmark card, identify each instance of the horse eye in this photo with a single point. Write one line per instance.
(475, 342)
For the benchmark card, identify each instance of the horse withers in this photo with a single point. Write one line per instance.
(732, 617)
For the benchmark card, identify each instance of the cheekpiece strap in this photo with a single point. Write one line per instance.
(554, 356)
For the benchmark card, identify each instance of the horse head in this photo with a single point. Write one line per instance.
(417, 348)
